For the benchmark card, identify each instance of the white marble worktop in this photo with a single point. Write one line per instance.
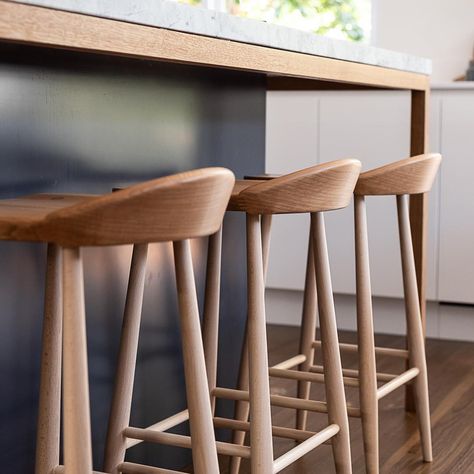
(177, 16)
(453, 86)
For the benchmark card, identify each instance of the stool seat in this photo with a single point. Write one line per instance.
(19, 217)
(323, 187)
(240, 185)
(414, 175)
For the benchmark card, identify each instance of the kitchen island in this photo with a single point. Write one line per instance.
(98, 93)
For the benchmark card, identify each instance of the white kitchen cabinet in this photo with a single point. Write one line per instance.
(305, 128)
(456, 245)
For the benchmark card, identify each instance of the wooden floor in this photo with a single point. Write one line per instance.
(451, 378)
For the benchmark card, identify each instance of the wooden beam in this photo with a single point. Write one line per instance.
(419, 140)
(419, 202)
(29, 24)
(281, 83)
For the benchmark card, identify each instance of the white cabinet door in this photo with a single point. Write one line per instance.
(291, 143)
(308, 127)
(374, 128)
(456, 249)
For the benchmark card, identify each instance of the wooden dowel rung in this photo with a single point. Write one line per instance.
(308, 376)
(353, 373)
(133, 468)
(388, 351)
(277, 400)
(277, 431)
(398, 381)
(290, 363)
(182, 441)
(305, 447)
(282, 401)
(163, 425)
(62, 470)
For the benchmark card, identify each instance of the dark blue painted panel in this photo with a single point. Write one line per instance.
(81, 123)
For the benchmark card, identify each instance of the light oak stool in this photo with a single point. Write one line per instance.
(175, 208)
(314, 190)
(20, 219)
(401, 179)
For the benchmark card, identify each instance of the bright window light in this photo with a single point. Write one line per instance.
(342, 19)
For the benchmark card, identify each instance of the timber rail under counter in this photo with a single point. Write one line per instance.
(200, 40)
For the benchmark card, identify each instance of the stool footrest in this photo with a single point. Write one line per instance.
(277, 431)
(281, 401)
(305, 447)
(354, 373)
(398, 381)
(388, 351)
(163, 425)
(290, 363)
(62, 470)
(133, 468)
(307, 376)
(182, 441)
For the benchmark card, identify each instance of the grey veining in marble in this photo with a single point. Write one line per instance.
(181, 17)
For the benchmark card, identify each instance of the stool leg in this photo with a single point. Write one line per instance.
(308, 332)
(335, 396)
(259, 385)
(366, 344)
(416, 340)
(197, 389)
(210, 326)
(119, 417)
(77, 429)
(241, 407)
(49, 412)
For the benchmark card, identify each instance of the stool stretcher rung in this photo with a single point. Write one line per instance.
(388, 351)
(163, 425)
(62, 470)
(133, 468)
(398, 381)
(290, 363)
(281, 401)
(308, 376)
(182, 441)
(353, 373)
(305, 447)
(277, 431)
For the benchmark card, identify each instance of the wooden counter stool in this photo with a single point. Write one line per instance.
(401, 179)
(175, 208)
(19, 219)
(314, 190)
(410, 176)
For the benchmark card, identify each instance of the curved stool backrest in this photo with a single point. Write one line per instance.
(319, 188)
(413, 175)
(177, 207)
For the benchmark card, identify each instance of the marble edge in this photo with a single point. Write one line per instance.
(190, 19)
(453, 86)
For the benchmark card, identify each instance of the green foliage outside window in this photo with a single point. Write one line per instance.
(344, 19)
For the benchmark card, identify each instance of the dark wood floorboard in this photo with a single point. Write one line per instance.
(451, 378)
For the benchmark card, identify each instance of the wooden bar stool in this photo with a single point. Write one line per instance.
(314, 190)
(404, 178)
(19, 219)
(174, 208)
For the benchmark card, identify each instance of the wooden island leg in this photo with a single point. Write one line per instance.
(419, 208)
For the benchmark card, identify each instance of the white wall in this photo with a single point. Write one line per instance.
(442, 30)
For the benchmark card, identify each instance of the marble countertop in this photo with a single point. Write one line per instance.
(454, 86)
(180, 17)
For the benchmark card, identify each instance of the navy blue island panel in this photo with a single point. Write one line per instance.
(74, 122)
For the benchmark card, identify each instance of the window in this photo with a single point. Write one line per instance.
(342, 19)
